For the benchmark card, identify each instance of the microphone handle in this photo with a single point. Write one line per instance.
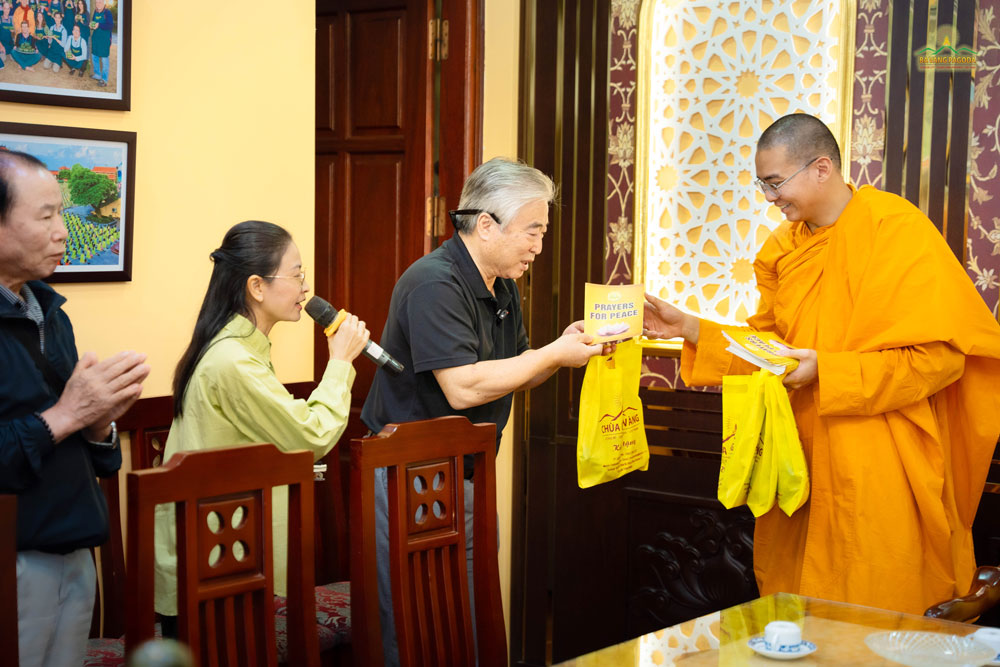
(375, 352)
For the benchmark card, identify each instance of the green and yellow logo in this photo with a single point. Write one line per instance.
(946, 57)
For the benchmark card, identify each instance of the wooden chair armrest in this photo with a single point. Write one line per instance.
(984, 593)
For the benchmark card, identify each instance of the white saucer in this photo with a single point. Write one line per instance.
(788, 653)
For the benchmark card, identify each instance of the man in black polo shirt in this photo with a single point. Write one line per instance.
(455, 324)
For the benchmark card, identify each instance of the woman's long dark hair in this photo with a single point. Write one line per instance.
(249, 248)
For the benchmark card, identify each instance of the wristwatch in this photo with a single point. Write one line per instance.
(112, 440)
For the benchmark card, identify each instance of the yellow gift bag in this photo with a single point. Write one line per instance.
(762, 458)
(792, 470)
(742, 430)
(611, 440)
(764, 478)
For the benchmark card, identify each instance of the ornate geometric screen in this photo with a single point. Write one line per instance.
(712, 76)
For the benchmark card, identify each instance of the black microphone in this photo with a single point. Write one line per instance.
(330, 318)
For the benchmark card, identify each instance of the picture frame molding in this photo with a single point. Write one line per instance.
(124, 103)
(123, 274)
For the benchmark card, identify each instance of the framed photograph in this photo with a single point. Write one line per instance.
(96, 174)
(74, 53)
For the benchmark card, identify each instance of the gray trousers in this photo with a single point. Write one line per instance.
(55, 604)
(390, 647)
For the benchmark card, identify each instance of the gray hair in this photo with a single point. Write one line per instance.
(502, 187)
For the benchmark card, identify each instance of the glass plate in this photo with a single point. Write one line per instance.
(929, 649)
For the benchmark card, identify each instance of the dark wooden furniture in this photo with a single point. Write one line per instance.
(983, 595)
(109, 559)
(427, 544)
(331, 506)
(225, 572)
(8, 577)
(146, 425)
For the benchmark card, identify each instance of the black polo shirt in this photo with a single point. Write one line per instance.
(442, 316)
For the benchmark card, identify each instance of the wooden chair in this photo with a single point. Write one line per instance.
(427, 544)
(8, 577)
(225, 601)
(146, 426)
(983, 595)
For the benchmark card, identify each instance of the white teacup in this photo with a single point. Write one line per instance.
(782, 634)
(988, 636)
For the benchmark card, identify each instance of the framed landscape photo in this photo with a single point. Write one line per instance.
(74, 53)
(96, 174)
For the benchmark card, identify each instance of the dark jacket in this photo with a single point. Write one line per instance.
(59, 503)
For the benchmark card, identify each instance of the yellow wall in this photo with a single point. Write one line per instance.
(221, 137)
(500, 138)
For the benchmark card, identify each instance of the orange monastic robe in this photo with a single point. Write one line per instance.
(900, 426)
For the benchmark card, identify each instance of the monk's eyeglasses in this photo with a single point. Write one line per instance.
(767, 188)
(469, 211)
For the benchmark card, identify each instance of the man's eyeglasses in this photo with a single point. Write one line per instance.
(301, 277)
(469, 211)
(770, 188)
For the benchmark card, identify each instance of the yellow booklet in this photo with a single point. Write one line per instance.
(760, 348)
(613, 312)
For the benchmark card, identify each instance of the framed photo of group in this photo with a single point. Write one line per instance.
(75, 53)
(95, 170)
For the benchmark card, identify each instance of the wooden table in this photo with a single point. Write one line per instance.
(720, 638)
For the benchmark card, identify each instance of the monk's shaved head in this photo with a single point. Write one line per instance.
(804, 137)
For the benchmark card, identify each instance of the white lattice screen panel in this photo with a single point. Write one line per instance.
(712, 77)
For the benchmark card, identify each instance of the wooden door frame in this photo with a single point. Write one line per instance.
(461, 126)
(461, 136)
(462, 104)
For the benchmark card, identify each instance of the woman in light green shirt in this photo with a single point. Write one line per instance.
(225, 389)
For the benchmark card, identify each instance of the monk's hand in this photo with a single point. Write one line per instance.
(808, 368)
(662, 320)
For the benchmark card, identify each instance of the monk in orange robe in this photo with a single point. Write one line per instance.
(895, 395)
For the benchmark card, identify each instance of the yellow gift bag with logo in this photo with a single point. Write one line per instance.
(742, 430)
(611, 440)
(762, 458)
(790, 460)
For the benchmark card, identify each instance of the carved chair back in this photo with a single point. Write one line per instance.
(224, 546)
(424, 462)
